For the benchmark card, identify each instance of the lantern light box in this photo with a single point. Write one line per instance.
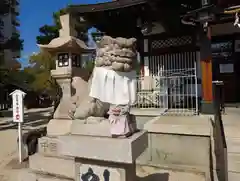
(68, 59)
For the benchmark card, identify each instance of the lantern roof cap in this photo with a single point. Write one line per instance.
(66, 43)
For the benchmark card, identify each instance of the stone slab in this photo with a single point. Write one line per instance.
(180, 150)
(95, 127)
(149, 173)
(234, 162)
(27, 175)
(192, 125)
(58, 127)
(102, 129)
(100, 170)
(233, 145)
(122, 150)
(59, 166)
(48, 146)
(233, 176)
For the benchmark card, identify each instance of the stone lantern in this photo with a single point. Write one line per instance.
(67, 50)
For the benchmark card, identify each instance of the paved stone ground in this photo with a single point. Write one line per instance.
(9, 166)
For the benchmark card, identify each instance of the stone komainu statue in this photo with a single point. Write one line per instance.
(112, 86)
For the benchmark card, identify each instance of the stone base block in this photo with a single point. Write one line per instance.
(125, 150)
(104, 171)
(59, 127)
(97, 126)
(207, 107)
(27, 175)
(62, 167)
(48, 146)
(101, 129)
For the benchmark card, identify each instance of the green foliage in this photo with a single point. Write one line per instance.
(42, 63)
(49, 32)
(89, 65)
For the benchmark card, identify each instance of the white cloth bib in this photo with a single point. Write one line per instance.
(119, 88)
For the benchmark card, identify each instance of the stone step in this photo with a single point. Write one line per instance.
(233, 145)
(64, 167)
(232, 132)
(27, 175)
(234, 162)
(233, 176)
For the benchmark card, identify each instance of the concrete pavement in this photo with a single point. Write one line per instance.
(34, 118)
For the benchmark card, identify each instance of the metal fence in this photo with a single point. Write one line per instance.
(171, 86)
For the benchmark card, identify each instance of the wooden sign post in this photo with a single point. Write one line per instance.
(18, 116)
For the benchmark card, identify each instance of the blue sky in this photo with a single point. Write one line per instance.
(34, 14)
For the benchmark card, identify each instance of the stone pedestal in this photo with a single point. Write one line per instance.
(104, 158)
(48, 164)
(63, 77)
(83, 158)
(57, 127)
(61, 124)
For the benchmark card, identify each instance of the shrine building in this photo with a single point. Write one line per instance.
(183, 45)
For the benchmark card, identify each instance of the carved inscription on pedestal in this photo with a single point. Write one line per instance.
(47, 146)
(87, 172)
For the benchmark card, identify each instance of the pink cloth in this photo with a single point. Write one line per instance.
(119, 120)
(119, 125)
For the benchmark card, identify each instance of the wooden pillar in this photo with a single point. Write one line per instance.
(206, 68)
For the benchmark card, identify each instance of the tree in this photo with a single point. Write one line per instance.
(14, 43)
(44, 62)
(41, 64)
(49, 32)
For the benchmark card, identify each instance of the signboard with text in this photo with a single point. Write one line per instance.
(17, 105)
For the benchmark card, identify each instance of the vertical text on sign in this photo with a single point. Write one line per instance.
(18, 111)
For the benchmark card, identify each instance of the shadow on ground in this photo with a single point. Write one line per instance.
(14, 164)
(155, 177)
(32, 119)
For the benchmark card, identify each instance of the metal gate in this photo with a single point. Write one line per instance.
(171, 84)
